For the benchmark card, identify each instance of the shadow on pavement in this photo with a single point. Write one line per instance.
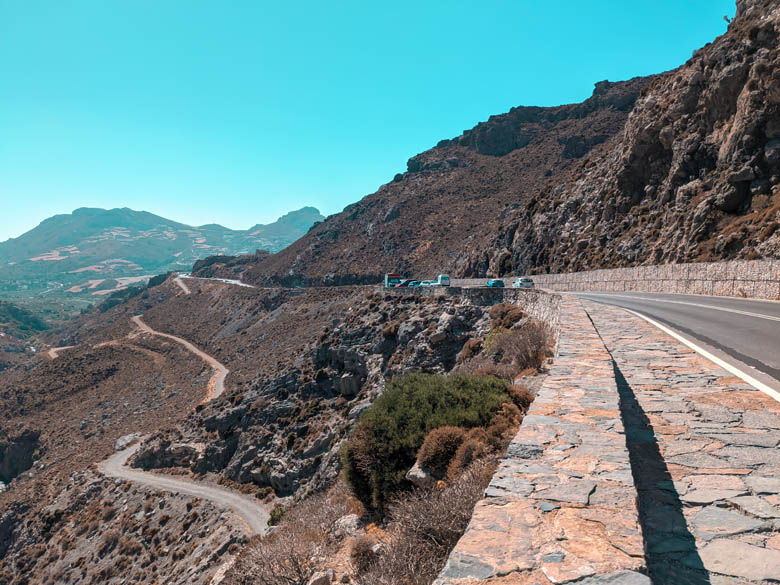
(670, 548)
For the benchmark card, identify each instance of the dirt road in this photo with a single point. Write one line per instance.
(178, 280)
(217, 381)
(249, 509)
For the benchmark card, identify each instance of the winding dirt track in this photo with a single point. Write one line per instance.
(217, 381)
(178, 280)
(251, 511)
(54, 352)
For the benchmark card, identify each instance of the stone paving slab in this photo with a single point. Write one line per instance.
(708, 475)
(561, 507)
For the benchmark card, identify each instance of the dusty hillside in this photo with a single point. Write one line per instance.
(303, 365)
(682, 166)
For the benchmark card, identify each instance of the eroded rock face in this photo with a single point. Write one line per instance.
(17, 454)
(699, 151)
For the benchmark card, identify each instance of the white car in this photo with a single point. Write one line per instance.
(429, 283)
(523, 283)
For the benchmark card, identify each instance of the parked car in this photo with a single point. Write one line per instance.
(414, 284)
(404, 283)
(495, 283)
(429, 283)
(443, 280)
(523, 283)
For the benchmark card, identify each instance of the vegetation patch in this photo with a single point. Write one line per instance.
(385, 442)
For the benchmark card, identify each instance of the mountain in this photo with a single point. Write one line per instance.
(681, 166)
(91, 252)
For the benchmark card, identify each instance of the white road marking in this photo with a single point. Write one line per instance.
(716, 360)
(747, 313)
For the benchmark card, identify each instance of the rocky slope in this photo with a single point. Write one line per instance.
(280, 424)
(682, 166)
(17, 327)
(303, 365)
(91, 252)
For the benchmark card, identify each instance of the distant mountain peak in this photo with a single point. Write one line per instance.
(90, 250)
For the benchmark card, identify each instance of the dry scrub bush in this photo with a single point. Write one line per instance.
(521, 396)
(468, 452)
(289, 555)
(482, 365)
(508, 352)
(438, 449)
(424, 527)
(471, 349)
(362, 555)
(505, 314)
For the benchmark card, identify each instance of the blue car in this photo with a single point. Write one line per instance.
(495, 283)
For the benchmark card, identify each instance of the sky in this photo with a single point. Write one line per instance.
(237, 111)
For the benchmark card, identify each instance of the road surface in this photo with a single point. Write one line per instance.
(741, 331)
(222, 280)
(178, 280)
(217, 382)
(54, 352)
(249, 509)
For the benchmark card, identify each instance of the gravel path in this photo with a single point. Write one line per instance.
(253, 513)
(250, 510)
(217, 381)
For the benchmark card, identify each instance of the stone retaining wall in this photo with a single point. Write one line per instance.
(759, 279)
(562, 505)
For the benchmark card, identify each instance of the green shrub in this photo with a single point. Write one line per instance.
(493, 338)
(439, 448)
(275, 516)
(388, 435)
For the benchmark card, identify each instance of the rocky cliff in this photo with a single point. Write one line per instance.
(682, 166)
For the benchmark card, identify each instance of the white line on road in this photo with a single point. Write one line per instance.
(747, 313)
(723, 364)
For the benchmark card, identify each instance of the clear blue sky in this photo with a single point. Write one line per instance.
(237, 111)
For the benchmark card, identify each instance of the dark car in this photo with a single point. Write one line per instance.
(404, 283)
(495, 283)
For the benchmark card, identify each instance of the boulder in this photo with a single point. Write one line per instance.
(347, 525)
(321, 578)
(419, 477)
(125, 440)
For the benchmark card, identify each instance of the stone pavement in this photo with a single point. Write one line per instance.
(562, 505)
(704, 450)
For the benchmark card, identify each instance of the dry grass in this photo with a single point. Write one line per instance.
(424, 527)
(290, 554)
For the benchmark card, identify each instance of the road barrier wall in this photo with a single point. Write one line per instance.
(562, 504)
(537, 303)
(757, 279)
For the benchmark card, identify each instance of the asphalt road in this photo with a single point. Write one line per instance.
(249, 509)
(747, 331)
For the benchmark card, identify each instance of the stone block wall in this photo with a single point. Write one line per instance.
(758, 279)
